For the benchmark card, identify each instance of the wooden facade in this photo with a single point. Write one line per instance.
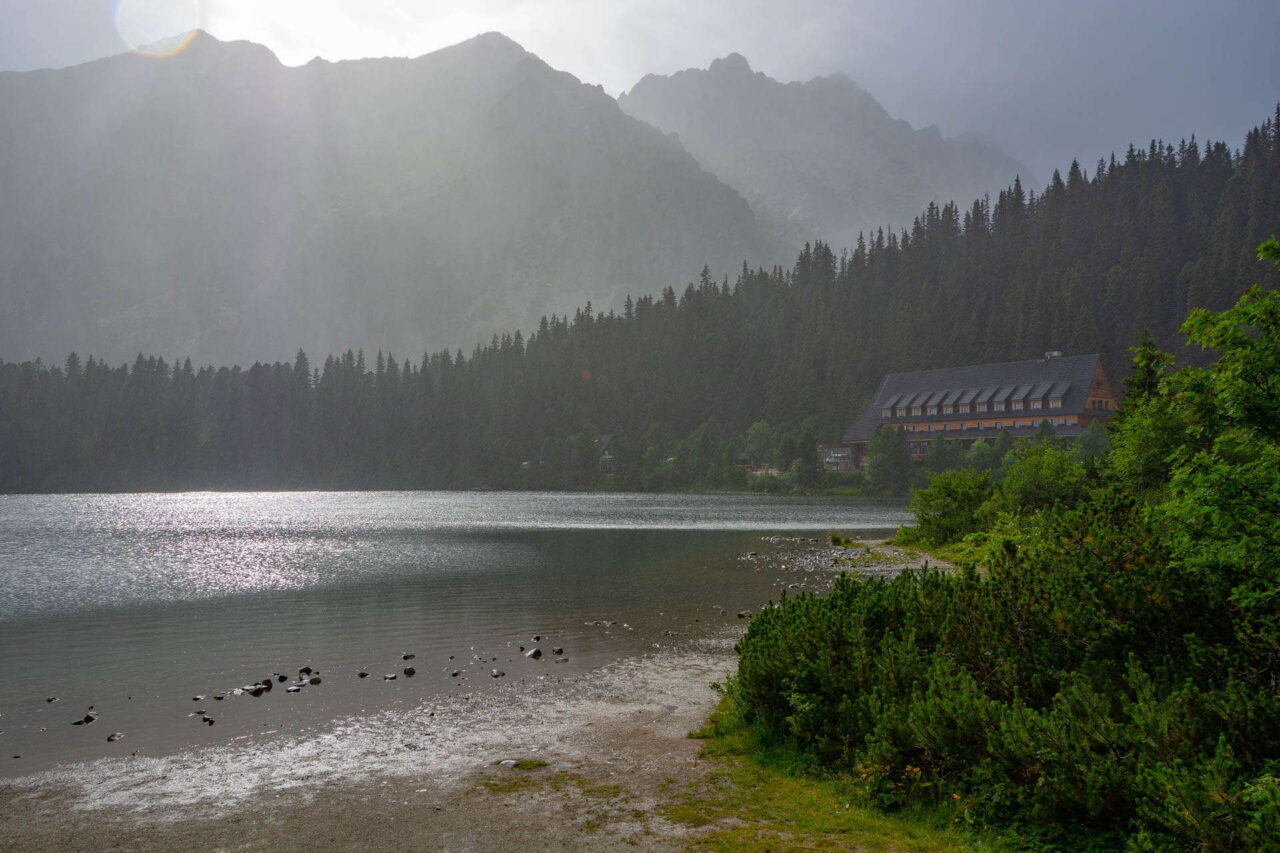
(976, 402)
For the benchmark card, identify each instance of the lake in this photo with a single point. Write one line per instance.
(136, 604)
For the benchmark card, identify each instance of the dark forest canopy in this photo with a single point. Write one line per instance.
(1083, 267)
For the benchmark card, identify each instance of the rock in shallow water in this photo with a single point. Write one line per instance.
(114, 736)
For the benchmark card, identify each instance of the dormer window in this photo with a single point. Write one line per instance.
(964, 408)
(915, 411)
(948, 410)
(902, 411)
(979, 408)
(1017, 405)
(1037, 403)
(997, 407)
(933, 410)
(886, 413)
(1055, 402)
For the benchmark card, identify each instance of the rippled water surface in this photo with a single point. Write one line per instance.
(135, 604)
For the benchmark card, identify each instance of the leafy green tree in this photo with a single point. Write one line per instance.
(947, 510)
(1037, 477)
(888, 463)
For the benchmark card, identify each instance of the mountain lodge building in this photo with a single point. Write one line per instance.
(966, 404)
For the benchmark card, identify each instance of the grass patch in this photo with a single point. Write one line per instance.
(758, 801)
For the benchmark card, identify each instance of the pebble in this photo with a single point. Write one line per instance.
(497, 673)
(390, 676)
(362, 674)
(409, 672)
(407, 656)
(114, 736)
(534, 653)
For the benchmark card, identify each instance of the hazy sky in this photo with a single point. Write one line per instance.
(1047, 80)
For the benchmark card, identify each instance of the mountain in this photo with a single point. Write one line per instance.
(818, 159)
(220, 205)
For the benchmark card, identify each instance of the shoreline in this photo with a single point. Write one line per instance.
(613, 741)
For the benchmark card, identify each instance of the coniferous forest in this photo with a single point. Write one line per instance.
(679, 380)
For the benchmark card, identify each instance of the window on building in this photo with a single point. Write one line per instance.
(933, 410)
(902, 411)
(979, 407)
(1037, 404)
(1017, 405)
(915, 411)
(948, 410)
(964, 408)
(884, 413)
(1055, 403)
(997, 407)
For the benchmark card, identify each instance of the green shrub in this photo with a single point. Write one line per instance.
(947, 510)
(1109, 681)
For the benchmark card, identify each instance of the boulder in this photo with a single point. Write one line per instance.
(362, 674)
(534, 654)
(114, 736)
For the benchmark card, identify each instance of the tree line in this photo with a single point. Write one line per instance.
(678, 379)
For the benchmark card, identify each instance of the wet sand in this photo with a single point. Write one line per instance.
(613, 741)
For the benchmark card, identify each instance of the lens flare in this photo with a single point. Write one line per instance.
(158, 28)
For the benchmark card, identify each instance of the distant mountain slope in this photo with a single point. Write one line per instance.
(818, 159)
(219, 204)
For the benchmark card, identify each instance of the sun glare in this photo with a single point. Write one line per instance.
(158, 28)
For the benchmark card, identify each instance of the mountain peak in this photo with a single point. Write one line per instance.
(495, 41)
(734, 63)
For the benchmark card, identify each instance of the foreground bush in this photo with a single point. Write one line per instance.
(1109, 679)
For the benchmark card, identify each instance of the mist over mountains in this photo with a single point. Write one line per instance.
(821, 159)
(220, 205)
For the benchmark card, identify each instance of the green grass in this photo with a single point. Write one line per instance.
(757, 802)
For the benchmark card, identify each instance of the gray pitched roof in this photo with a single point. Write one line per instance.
(1065, 376)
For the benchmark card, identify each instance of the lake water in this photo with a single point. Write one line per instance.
(135, 604)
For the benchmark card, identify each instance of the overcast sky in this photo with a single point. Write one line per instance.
(1048, 80)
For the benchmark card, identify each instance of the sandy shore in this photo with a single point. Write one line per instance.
(613, 742)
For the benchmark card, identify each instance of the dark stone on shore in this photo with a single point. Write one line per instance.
(50, 699)
(114, 736)
(362, 675)
(282, 678)
(304, 670)
(208, 721)
(257, 691)
(456, 673)
(409, 672)
(86, 720)
(407, 656)
(267, 684)
(537, 638)
(390, 676)
(292, 689)
(315, 679)
(497, 673)
(534, 653)
(743, 614)
(558, 650)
